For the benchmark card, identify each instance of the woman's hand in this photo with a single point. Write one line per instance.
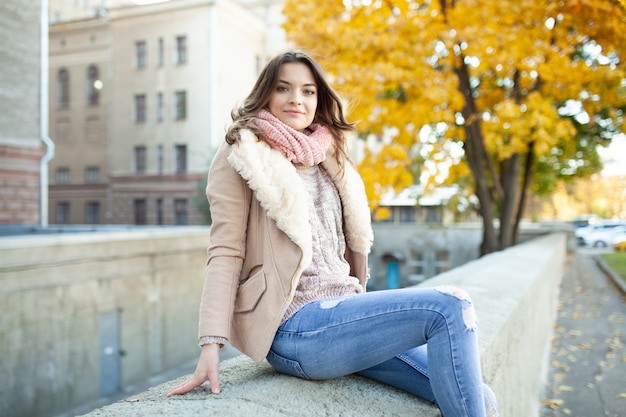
(207, 370)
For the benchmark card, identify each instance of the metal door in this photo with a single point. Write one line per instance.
(110, 353)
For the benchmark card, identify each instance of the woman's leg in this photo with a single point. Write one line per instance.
(413, 366)
(335, 337)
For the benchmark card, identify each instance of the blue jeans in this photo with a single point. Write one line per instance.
(419, 340)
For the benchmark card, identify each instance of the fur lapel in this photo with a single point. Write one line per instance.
(356, 213)
(280, 191)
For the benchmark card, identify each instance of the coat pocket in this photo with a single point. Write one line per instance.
(250, 292)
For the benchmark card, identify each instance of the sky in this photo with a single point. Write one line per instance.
(614, 156)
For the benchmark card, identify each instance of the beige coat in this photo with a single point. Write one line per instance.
(261, 240)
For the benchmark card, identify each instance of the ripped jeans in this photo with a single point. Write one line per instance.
(419, 340)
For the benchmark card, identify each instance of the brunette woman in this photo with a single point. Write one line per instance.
(287, 264)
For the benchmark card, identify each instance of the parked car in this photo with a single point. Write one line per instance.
(620, 246)
(602, 236)
(604, 225)
(619, 241)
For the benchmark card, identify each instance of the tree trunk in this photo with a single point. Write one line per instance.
(475, 151)
(528, 167)
(509, 173)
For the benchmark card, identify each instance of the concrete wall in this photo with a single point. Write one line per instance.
(421, 245)
(430, 249)
(515, 292)
(55, 291)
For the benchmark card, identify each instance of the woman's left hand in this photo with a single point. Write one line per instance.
(206, 370)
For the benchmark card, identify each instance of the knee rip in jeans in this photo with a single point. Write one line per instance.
(326, 304)
(469, 314)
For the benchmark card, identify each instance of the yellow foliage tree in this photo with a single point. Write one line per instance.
(495, 73)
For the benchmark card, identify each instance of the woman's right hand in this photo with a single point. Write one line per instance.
(207, 370)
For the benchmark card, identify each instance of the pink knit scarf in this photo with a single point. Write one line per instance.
(305, 148)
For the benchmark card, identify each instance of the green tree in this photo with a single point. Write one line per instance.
(495, 76)
(200, 200)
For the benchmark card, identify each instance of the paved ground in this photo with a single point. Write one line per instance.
(587, 376)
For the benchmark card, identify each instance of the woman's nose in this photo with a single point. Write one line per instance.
(295, 98)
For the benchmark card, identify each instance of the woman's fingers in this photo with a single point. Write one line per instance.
(187, 386)
(207, 370)
(214, 381)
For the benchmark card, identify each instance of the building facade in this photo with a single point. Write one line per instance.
(79, 98)
(21, 148)
(140, 98)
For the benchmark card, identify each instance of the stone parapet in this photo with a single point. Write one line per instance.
(515, 292)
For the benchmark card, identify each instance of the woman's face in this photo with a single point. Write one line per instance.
(294, 99)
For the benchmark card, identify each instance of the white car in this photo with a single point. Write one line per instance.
(619, 239)
(581, 232)
(602, 236)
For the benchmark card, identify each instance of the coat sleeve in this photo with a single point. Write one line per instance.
(229, 198)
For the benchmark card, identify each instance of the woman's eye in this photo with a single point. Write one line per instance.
(309, 92)
(281, 89)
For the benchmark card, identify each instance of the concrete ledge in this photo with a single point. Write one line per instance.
(515, 292)
(251, 390)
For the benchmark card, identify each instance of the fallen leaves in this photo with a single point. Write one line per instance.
(552, 403)
(588, 352)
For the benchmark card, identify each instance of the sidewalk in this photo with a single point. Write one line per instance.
(587, 373)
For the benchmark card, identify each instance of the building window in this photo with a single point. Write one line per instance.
(161, 52)
(181, 105)
(181, 49)
(160, 107)
(416, 267)
(140, 54)
(140, 159)
(94, 84)
(434, 214)
(63, 88)
(181, 159)
(442, 262)
(63, 175)
(63, 212)
(159, 211)
(160, 159)
(139, 209)
(407, 214)
(92, 174)
(180, 212)
(92, 212)
(140, 108)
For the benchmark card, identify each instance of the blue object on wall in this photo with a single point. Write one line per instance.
(393, 275)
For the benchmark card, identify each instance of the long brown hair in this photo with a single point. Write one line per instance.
(329, 110)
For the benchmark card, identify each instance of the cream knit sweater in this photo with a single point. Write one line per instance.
(328, 275)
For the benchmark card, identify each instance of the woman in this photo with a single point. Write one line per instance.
(287, 265)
